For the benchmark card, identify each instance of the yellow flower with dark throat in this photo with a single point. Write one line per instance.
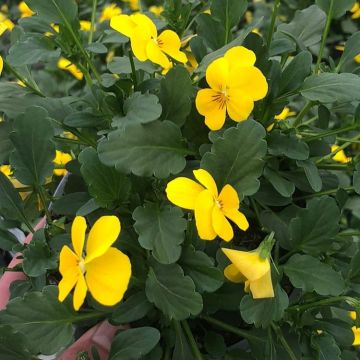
(212, 210)
(235, 83)
(103, 270)
(146, 44)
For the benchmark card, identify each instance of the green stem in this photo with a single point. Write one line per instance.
(302, 113)
(272, 23)
(332, 132)
(133, 70)
(349, 233)
(93, 20)
(333, 167)
(69, 141)
(324, 36)
(227, 25)
(283, 341)
(327, 192)
(192, 341)
(256, 210)
(40, 191)
(329, 301)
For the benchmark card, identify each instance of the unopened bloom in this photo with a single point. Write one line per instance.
(355, 330)
(340, 156)
(25, 11)
(133, 4)
(355, 11)
(285, 113)
(61, 158)
(235, 83)
(211, 208)
(250, 268)
(156, 10)
(145, 42)
(104, 270)
(65, 64)
(1, 64)
(109, 11)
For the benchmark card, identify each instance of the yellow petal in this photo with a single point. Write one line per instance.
(233, 274)
(155, 55)
(139, 40)
(80, 292)
(229, 198)
(1, 64)
(210, 105)
(262, 288)
(250, 80)
(248, 263)
(183, 192)
(221, 225)
(170, 44)
(217, 74)
(124, 24)
(205, 179)
(239, 105)
(240, 56)
(203, 213)
(68, 261)
(340, 156)
(102, 235)
(356, 332)
(67, 283)
(237, 217)
(353, 315)
(108, 276)
(145, 23)
(78, 230)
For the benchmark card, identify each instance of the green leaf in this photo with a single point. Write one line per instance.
(133, 344)
(132, 309)
(84, 119)
(32, 159)
(145, 150)
(351, 49)
(326, 347)
(314, 227)
(7, 240)
(38, 257)
(201, 269)
(176, 92)
(105, 184)
(236, 157)
(6, 145)
(121, 65)
(172, 292)
(312, 174)
(161, 230)
(139, 109)
(228, 12)
(182, 348)
(211, 30)
(356, 179)
(55, 11)
(32, 49)
(339, 7)
(46, 322)
(310, 274)
(339, 329)
(13, 345)
(354, 273)
(331, 88)
(282, 186)
(261, 312)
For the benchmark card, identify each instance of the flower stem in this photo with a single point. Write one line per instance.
(283, 341)
(329, 301)
(302, 113)
(192, 341)
(133, 70)
(331, 132)
(93, 19)
(272, 23)
(327, 192)
(42, 195)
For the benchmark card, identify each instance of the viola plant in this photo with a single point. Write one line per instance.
(188, 174)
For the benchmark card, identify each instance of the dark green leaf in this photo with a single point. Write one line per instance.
(228, 12)
(312, 174)
(69, 204)
(13, 345)
(211, 30)
(84, 119)
(182, 348)
(339, 7)
(339, 329)
(7, 240)
(351, 49)
(6, 145)
(121, 65)
(326, 347)
(283, 186)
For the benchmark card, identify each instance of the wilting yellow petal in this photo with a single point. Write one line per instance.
(80, 292)
(170, 44)
(221, 225)
(124, 24)
(262, 287)
(217, 74)
(203, 213)
(250, 264)
(183, 192)
(155, 55)
(237, 217)
(356, 332)
(78, 230)
(102, 235)
(229, 198)
(68, 261)
(233, 274)
(67, 283)
(239, 105)
(212, 107)
(240, 56)
(205, 179)
(250, 80)
(108, 276)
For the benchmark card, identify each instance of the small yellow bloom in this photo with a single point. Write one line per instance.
(156, 10)
(235, 83)
(85, 25)
(65, 64)
(61, 158)
(133, 4)
(105, 271)
(211, 208)
(145, 42)
(25, 10)
(253, 270)
(109, 11)
(355, 330)
(286, 112)
(6, 170)
(1, 64)
(355, 11)
(357, 58)
(5, 23)
(340, 156)
(342, 48)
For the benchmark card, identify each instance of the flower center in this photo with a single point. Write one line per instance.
(82, 265)
(218, 203)
(221, 98)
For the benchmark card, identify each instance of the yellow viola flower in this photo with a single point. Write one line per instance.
(357, 58)
(85, 25)
(156, 10)
(235, 83)
(133, 4)
(61, 158)
(355, 330)
(1, 64)
(355, 11)
(212, 210)
(340, 156)
(5, 23)
(109, 11)
(104, 270)
(6, 170)
(25, 11)
(65, 64)
(145, 42)
(253, 270)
